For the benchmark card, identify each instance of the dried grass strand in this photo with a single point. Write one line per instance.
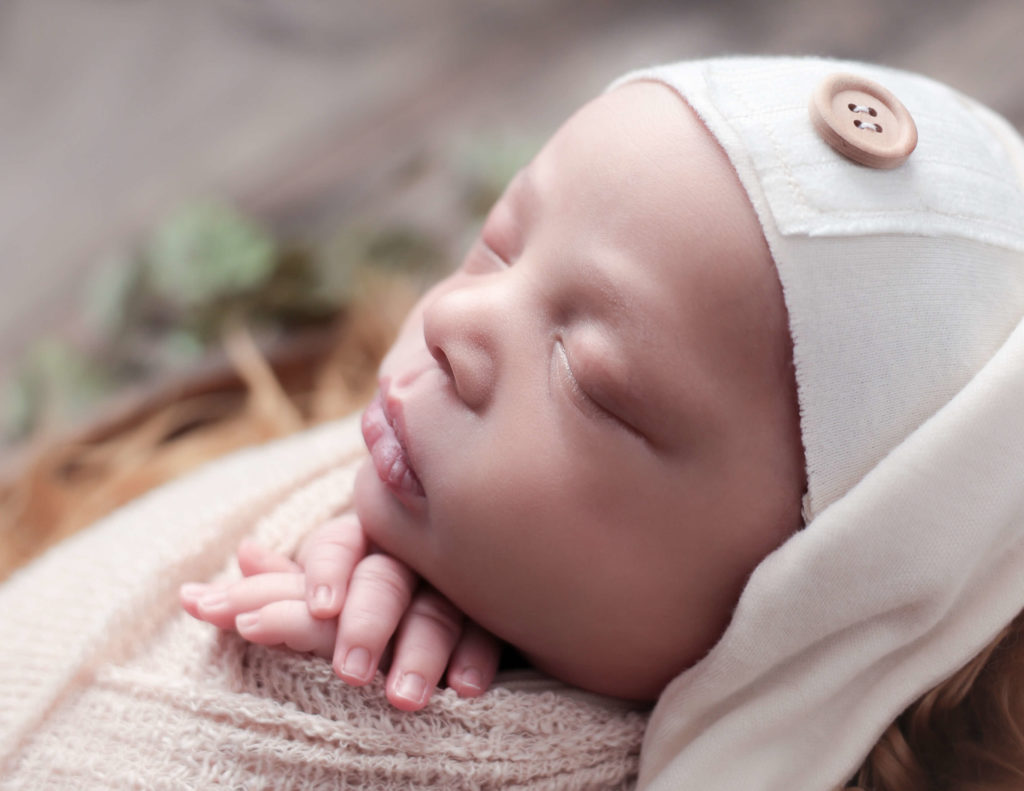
(65, 484)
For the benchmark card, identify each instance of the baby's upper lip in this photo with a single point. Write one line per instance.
(392, 407)
(394, 414)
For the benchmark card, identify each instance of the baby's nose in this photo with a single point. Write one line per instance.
(460, 328)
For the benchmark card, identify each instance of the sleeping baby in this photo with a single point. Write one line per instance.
(694, 421)
(585, 437)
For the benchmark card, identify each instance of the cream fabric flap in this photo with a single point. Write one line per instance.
(813, 190)
(887, 329)
(892, 589)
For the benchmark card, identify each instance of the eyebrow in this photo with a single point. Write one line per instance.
(620, 311)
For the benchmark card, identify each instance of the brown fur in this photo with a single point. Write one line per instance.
(966, 734)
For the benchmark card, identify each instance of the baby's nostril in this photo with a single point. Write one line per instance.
(442, 360)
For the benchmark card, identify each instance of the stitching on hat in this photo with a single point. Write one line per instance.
(925, 209)
(797, 213)
(1009, 232)
(994, 231)
(793, 182)
(924, 212)
(968, 226)
(924, 159)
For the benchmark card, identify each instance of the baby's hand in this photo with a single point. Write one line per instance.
(268, 607)
(381, 604)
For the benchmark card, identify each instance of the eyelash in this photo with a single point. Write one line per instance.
(587, 403)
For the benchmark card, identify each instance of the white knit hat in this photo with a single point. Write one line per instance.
(905, 291)
(900, 283)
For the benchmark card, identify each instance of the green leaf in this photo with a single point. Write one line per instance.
(112, 297)
(208, 251)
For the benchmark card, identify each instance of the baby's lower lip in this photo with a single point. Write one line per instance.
(390, 458)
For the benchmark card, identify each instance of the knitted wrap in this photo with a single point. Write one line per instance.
(105, 683)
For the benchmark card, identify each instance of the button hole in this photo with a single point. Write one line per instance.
(868, 126)
(860, 108)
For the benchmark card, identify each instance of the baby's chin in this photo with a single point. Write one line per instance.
(642, 684)
(383, 517)
(638, 670)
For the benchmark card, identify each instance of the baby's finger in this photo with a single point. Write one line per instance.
(256, 559)
(378, 595)
(474, 662)
(288, 623)
(328, 557)
(219, 604)
(426, 638)
(189, 595)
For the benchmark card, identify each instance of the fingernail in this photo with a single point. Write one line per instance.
(247, 621)
(214, 601)
(357, 664)
(470, 677)
(322, 597)
(192, 590)
(412, 687)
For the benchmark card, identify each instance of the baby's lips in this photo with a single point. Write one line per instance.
(373, 422)
(390, 458)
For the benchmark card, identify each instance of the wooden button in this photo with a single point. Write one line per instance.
(863, 121)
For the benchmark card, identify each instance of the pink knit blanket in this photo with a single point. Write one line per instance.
(104, 683)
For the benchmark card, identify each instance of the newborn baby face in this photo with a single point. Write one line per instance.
(587, 436)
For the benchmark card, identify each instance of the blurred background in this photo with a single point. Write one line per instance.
(211, 199)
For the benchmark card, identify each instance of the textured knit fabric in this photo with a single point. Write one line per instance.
(106, 684)
(905, 291)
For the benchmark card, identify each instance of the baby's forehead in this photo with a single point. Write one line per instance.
(635, 175)
(637, 153)
(636, 123)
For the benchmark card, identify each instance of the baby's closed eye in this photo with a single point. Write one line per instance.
(587, 393)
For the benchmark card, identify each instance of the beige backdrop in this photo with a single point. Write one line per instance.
(308, 112)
